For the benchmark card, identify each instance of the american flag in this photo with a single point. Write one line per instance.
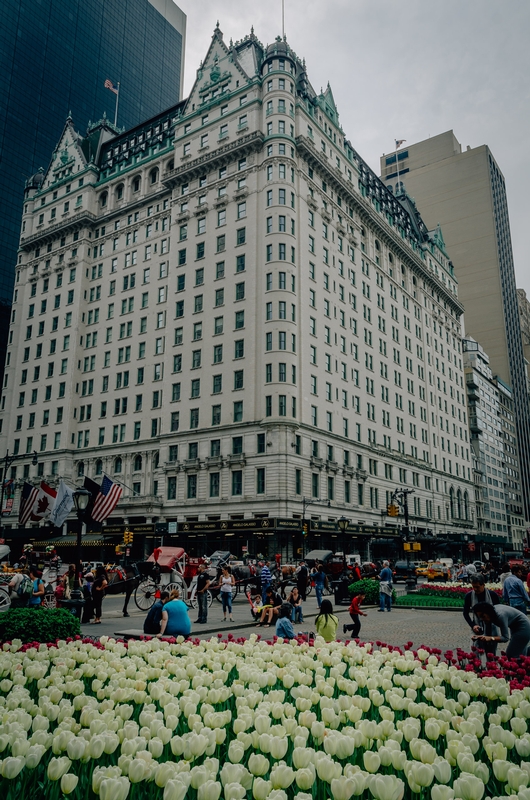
(399, 142)
(111, 86)
(107, 500)
(27, 501)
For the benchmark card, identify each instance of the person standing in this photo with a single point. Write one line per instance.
(302, 577)
(266, 578)
(513, 592)
(385, 587)
(513, 626)
(175, 619)
(37, 596)
(320, 580)
(226, 583)
(98, 593)
(355, 613)
(356, 572)
(13, 587)
(203, 582)
(88, 608)
(130, 580)
(505, 571)
(479, 594)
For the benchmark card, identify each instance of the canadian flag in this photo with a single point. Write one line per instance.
(44, 502)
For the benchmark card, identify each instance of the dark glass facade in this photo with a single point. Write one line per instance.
(55, 56)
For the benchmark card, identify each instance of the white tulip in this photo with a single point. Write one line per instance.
(371, 761)
(234, 791)
(12, 766)
(517, 778)
(302, 757)
(342, 788)
(259, 765)
(468, 787)
(69, 782)
(261, 789)
(441, 792)
(58, 767)
(211, 790)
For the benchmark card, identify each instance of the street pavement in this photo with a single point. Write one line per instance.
(444, 629)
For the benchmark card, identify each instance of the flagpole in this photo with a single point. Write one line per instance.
(116, 107)
(283, 19)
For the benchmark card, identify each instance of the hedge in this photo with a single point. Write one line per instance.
(38, 625)
(425, 601)
(368, 587)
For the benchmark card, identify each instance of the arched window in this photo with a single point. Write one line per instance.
(466, 505)
(103, 199)
(153, 176)
(136, 183)
(118, 465)
(119, 191)
(99, 467)
(80, 469)
(459, 504)
(452, 501)
(137, 463)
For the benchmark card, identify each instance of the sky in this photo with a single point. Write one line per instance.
(404, 70)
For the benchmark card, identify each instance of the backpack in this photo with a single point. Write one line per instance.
(25, 589)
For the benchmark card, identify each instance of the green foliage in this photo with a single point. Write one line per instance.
(38, 625)
(426, 601)
(370, 588)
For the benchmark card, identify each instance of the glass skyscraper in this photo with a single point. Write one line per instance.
(55, 56)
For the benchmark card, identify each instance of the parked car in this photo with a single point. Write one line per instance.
(438, 571)
(401, 571)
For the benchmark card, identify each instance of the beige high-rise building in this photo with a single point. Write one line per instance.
(227, 311)
(464, 192)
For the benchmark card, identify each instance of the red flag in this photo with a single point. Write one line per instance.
(43, 503)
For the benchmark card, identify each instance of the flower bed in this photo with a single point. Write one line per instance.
(250, 720)
(452, 589)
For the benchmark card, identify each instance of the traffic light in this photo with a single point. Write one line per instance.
(128, 536)
(305, 528)
(392, 510)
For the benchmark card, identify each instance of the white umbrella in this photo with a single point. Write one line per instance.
(4, 550)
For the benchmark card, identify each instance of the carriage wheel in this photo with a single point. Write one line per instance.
(49, 601)
(145, 594)
(252, 588)
(193, 598)
(5, 602)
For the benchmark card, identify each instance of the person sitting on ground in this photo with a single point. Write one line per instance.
(154, 617)
(271, 607)
(175, 619)
(479, 594)
(295, 601)
(284, 626)
(326, 623)
(513, 626)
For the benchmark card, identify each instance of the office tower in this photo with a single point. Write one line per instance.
(226, 310)
(56, 56)
(492, 430)
(524, 317)
(464, 192)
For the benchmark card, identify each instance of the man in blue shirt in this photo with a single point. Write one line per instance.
(385, 588)
(514, 594)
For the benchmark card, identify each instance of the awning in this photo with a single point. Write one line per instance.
(90, 540)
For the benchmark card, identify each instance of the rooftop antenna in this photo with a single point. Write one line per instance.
(283, 19)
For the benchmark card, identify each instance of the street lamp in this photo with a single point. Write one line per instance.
(81, 498)
(343, 525)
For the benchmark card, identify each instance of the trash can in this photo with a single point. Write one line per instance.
(340, 591)
(75, 606)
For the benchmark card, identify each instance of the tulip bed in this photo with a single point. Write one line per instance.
(453, 589)
(426, 601)
(252, 720)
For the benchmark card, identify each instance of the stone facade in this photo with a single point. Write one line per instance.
(226, 310)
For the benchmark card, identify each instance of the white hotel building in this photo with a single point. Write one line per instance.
(226, 310)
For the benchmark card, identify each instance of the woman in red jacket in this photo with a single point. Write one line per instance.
(355, 614)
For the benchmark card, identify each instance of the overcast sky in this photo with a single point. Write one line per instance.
(405, 70)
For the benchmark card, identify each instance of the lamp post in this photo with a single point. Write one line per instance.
(343, 525)
(402, 497)
(81, 498)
